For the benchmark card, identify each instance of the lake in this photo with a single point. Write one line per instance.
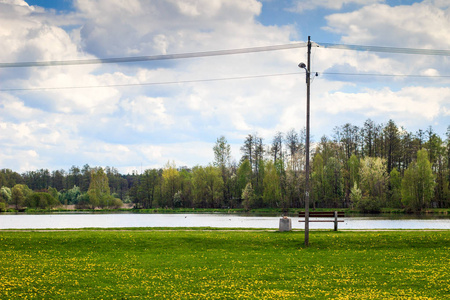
(112, 220)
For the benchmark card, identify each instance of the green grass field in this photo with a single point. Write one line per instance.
(201, 264)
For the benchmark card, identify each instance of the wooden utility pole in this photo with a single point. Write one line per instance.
(308, 86)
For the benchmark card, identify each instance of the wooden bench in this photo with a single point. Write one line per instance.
(324, 214)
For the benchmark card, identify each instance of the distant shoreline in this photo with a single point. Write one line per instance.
(129, 207)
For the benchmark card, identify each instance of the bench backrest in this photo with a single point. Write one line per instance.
(321, 214)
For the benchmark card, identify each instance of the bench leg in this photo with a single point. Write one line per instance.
(335, 220)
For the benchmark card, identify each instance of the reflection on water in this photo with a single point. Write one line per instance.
(83, 220)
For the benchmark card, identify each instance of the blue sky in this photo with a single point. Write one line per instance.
(49, 119)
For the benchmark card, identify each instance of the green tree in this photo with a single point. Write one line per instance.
(207, 186)
(392, 140)
(248, 149)
(170, 183)
(85, 178)
(433, 146)
(70, 196)
(272, 191)
(442, 193)
(147, 189)
(351, 176)
(327, 149)
(17, 197)
(333, 183)
(73, 194)
(5, 194)
(317, 180)
(5, 197)
(248, 196)
(418, 183)
(41, 200)
(447, 154)
(293, 145)
(215, 186)
(244, 175)
(54, 193)
(293, 185)
(74, 176)
(277, 147)
(99, 193)
(83, 201)
(407, 150)
(356, 195)
(368, 137)
(2, 179)
(185, 192)
(19, 192)
(253, 151)
(10, 178)
(58, 180)
(222, 153)
(373, 183)
(348, 137)
(222, 160)
(395, 182)
(199, 186)
(353, 166)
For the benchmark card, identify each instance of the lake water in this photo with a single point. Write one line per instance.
(95, 220)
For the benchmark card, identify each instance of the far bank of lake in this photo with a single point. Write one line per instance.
(214, 220)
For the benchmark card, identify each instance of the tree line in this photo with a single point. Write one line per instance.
(367, 167)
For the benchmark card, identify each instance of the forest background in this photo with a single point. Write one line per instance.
(367, 168)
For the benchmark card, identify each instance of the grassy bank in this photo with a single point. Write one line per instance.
(180, 264)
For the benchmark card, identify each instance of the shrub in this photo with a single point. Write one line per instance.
(41, 200)
(369, 205)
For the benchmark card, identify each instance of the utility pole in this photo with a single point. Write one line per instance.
(308, 85)
(308, 90)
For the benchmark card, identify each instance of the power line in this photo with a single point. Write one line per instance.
(150, 58)
(224, 52)
(385, 75)
(386, 49)
(216, 79)
(147, 83)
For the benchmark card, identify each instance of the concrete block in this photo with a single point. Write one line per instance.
(285, 224)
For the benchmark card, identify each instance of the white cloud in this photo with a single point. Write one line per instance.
(163, 26)
(420, 25)
(438, 3)
(414, 102)
(30, 37)
(300, 6)
(410, 106)
(146, 113)
(122, 126)
(148, 125)
(14, 2)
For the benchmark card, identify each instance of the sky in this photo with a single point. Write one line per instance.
(140, 115)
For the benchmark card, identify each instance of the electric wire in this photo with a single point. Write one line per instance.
(225, 52)
(151, 58)
(219, 79)
(386, 49)
(148, 83)
(384, 75)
